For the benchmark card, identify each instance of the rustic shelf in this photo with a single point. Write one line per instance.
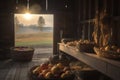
(108, 67)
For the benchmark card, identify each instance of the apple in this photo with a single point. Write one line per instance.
(44, 72)
(66, 68)
(107, 48)
(49, 75)
(37, 70)
(102, 49)
(44, 66)
(55, 69)
(64, 75)
(68, 72)
(118, 50)
(60, 65)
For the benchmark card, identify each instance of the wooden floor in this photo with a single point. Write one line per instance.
(11, 70)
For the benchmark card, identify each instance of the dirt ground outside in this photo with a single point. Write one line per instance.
(37, 40)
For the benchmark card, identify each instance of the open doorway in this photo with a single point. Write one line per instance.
(34, 30)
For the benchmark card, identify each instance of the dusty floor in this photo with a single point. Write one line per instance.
(11, 70)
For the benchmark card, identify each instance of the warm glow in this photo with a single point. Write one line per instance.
(27, 16)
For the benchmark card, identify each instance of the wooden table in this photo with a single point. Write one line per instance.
(109, 67)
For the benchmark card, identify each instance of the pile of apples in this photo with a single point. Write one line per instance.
(110, 48)
(51, 71)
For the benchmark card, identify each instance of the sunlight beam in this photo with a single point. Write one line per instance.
(27, 16)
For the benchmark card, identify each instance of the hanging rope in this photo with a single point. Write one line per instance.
(28, 5)
(46, 5)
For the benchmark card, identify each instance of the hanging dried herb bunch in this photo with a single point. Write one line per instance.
(96, 31)
(103, 29)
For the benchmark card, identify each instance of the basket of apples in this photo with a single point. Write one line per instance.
(49, 71)
(22, 53)
(109, 51)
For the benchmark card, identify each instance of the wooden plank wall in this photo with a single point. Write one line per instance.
(87, 14)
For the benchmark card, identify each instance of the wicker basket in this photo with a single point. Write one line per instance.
(107, 54)
(85, 47)
(22, 53)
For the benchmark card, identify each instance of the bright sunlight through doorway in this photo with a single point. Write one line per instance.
(34, 30)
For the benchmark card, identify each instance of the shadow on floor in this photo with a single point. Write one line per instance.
(12, 70)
